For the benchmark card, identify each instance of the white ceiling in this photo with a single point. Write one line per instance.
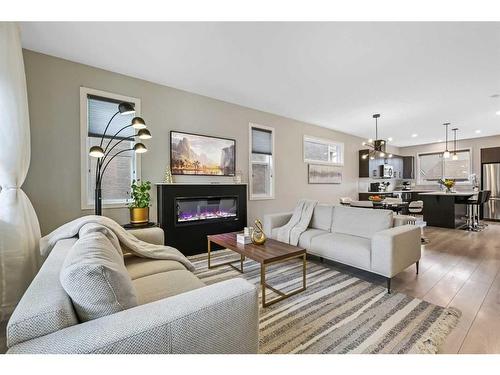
(336, 75)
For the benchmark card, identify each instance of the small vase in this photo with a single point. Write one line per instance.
(139, 216)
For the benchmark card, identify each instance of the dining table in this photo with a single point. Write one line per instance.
(398, 207)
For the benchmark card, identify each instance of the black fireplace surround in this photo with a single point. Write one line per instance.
(188, 213)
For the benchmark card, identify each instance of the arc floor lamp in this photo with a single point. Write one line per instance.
(104, 156)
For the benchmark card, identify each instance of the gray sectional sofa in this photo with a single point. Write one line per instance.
(176, 312)
(359, 237)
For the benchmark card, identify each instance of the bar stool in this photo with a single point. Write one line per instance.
(473, 208)
(485, 198)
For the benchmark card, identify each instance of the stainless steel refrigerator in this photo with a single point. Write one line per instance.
(491, 181)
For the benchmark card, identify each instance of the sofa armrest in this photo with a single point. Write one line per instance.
(272, 221)
(220, 318)
(152, 235)
(395, 249)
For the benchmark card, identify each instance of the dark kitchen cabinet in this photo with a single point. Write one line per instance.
(408, 167)
(490, 155)
(371, 168)
(364, 164)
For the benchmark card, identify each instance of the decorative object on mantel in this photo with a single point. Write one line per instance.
(324, 174)
(258, 236)
(168, 179)
(377, 146)
(448, 183)
(446, 153)
(201, 155)
(104, 153)
(237, 177)
(141, 200)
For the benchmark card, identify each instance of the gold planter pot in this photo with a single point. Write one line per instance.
(139, 215)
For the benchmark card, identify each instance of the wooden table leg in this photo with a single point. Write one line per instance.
(208, 248)
(263, 283)
(282, 295)
(242, 258)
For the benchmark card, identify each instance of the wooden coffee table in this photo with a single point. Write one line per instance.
(270, 252)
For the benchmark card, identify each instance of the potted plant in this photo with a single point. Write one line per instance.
(141, 200)
(448, 183)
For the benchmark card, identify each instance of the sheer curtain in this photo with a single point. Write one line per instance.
(19, 228)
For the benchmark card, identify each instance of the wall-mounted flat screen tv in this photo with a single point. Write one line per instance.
(201, 155)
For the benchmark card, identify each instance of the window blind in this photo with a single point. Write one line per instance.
(100, 111)
(262, 142)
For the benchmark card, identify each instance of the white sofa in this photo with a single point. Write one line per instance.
(176, 313)
(359, 237)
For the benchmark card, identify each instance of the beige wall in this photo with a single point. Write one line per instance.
(475, 144)
(53, 182)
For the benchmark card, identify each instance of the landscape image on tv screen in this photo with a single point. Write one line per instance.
(193, 154)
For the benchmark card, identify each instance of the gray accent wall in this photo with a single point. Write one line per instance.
(53, 181)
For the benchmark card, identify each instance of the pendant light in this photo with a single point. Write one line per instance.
(455, 156)
(446, 153)
(377, 146)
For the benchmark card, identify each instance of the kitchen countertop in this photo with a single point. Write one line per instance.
(457, 194)
(398, 191)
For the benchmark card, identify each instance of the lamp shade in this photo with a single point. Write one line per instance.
(144, 134)
(96, 152)
(139, 148)
(138, 123)
(126, 108)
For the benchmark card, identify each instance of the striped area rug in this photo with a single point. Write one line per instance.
(337, 313)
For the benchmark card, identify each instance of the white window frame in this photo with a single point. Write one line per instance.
(255, 197)
(426, 182)
(84, 146)
(326, 142)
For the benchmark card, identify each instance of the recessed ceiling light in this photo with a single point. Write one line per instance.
(389, 139)
(478, 131)
(497, 112)
(414, 135)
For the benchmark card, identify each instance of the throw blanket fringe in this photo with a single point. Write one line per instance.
(118, 236)
(302, 214)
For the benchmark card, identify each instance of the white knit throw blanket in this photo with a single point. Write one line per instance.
(118, 236)
(298, 223)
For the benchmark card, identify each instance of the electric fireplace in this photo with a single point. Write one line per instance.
(189, 212)
(202, 209)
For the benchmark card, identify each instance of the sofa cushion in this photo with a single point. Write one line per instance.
(165, 284)
(306, 237)
(45, 307)
(95, 277)
(351, 250)
(361, 222)
(140, 267)
(322, 217)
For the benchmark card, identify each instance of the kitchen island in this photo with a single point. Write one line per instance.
(445, 210)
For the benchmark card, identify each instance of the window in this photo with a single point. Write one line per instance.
(323, 151)
(433, 167)
(96, 109)
(261, 162)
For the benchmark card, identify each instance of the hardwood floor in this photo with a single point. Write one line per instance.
(459, 269)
